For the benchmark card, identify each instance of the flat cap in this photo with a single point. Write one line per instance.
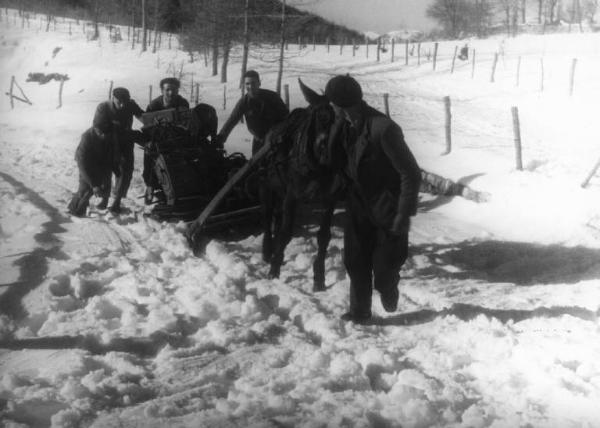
(121, 94)
(343, 91)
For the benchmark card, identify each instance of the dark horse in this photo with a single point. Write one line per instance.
(301, 165)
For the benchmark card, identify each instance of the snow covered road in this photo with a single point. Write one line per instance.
(111, 321)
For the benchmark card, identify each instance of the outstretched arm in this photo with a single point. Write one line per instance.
(136, 110)
(234, 118)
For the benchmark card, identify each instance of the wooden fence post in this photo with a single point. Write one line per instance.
(353, 47)
(286, 94)
(149, 94)
(518, 72)
(591, 174)
(197, 93)
(367, 46)
(386, 104)
(110, 90)
(448, 111)
(393, 48)
(517, 134)
(572, 77)
(341, 46)
(224, 96)
(406, 52)
(419, 53)
(378, 48)
(492, 77)
(170, 34)
(314, 42)
(60, 90)
(327, 41)
(454, 59)
(473, 65)
(12, 85)
(435, 50)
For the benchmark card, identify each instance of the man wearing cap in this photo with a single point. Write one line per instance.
(383, 194)
(113, 121)
(169, 98)
(260, 108)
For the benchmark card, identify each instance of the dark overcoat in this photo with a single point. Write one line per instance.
(94, 156)
(383, 171)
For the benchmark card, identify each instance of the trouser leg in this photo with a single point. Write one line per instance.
(148, 173)
(123, 181)
(106, 187)
(358, 247)
(81, 198)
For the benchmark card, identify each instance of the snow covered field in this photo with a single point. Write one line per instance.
(120, 326)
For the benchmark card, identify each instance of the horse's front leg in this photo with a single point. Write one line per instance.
(283, 234)
(323, 238)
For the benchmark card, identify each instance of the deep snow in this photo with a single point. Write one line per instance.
(121, 326)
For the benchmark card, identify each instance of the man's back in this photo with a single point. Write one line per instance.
(108, 119)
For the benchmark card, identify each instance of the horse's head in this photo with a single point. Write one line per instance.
(321, 120)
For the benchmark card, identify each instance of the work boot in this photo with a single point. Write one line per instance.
(389, 299)
(149, 195)
(357, 317)
(102, 204)
(115, 208)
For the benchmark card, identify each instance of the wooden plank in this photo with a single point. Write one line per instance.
(196, 226)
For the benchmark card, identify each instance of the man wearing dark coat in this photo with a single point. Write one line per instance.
(260, 108)
(169, 98)
(95, 160)
(113, 121)
(384, 182)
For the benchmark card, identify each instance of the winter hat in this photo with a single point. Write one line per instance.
(170, 81)
(343, 91)
(121, 94)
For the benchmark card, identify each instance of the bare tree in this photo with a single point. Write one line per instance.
(144, 35)
(589, 9)
(479, 14)
(451, 14)
(281, 49)
(246, 44)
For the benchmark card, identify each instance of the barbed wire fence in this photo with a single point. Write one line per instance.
(414, 55)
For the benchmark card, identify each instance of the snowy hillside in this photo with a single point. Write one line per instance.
(112, 322)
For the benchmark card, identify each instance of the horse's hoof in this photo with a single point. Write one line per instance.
(318, 287)
(274, 273)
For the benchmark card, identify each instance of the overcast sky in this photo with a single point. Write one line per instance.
(372, 15)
